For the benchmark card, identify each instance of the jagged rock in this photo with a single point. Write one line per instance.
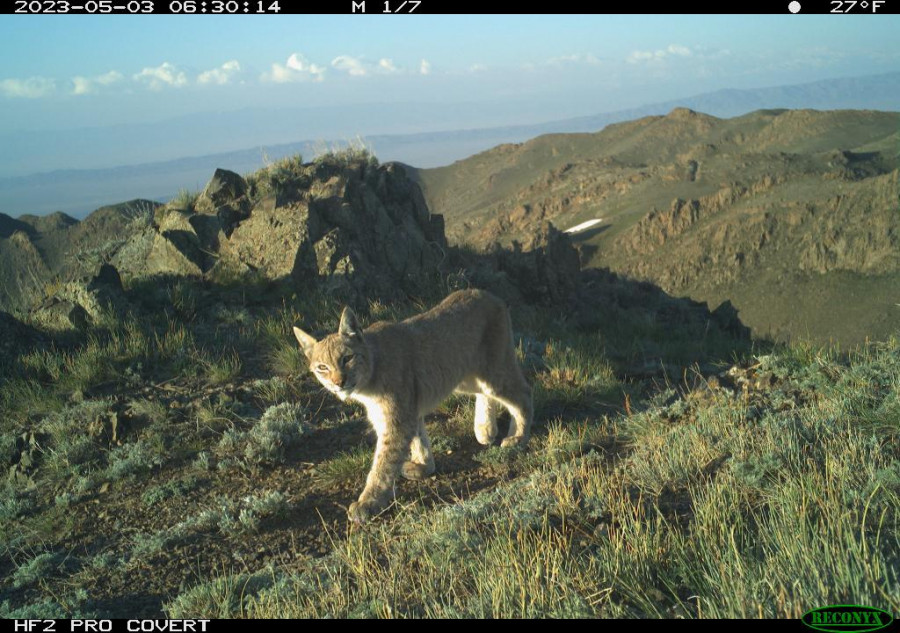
(225, 198)
(362, 230)
(545, 269)
(150, 253)
(60, 314)
(77, 303)
(224, 187)
(180, 243)
(277, 241)
(230, 215)
(726, 317)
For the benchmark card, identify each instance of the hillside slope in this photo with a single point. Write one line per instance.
(790, 214)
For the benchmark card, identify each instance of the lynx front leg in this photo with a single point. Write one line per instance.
(421, 461)
(485, 419)
(390, 453)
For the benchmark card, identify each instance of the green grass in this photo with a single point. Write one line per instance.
(222, 369)
(349, 467)
(185, 199)
(274, 177)
(724, 503)
(38, 568)
(347, 154)
(758, 493)
(268, 440)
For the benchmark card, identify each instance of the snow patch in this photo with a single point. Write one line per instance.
(584, 225)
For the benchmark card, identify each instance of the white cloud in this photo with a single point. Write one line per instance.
(579, 58)
(477, 68)
(165, 75)
(386, 65)
(221, 75)
(350, 65)
(297, 68)
(86, 85)
(672, 50)
(31, 88)
(359, 67)
(677, 49)
(425, 67)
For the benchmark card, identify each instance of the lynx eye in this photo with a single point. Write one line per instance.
(322, 368)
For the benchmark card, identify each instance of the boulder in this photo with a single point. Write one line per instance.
(225, 198)
(362, 230)
(224, 187)
(77, 303)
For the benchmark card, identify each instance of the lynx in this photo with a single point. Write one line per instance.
(402, 371)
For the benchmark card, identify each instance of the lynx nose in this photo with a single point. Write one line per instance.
(339, 381)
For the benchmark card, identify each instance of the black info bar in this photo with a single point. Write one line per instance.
(109, 626)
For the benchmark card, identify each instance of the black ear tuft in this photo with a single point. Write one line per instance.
(349, 324)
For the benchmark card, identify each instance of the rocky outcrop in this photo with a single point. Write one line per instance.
(23, 272)
(362, 230)
(178, 242)
(78, 303)
(545, 270)
(225, 197)
(343, 223)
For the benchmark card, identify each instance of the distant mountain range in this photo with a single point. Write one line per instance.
(791, 215)
(79, 191)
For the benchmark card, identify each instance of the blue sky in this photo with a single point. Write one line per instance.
(66, 72)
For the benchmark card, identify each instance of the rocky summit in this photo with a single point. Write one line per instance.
(346, 225)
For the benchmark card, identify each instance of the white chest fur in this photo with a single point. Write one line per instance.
(374, 411)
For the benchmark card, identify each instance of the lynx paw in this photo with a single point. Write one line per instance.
(416, 472)
(360, 512)
(369, 506)
(485, 435)
(515, 440)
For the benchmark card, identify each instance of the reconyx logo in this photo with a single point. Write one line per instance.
(847, 617)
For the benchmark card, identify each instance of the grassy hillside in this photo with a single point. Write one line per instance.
(781, 212)
(170, 454)
(181, 460)
(758, 494)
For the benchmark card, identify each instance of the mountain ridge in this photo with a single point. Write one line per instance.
(78, 192)
(715, 209)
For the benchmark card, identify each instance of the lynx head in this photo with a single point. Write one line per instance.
(342, 362)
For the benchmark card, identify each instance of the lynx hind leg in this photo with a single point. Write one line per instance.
(521, 409)
(515, 394)
(421, 460)
(485, 419)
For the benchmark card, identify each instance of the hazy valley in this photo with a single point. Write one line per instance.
(152, 161)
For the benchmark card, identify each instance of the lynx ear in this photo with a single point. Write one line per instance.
(349, 324)
(306, 341)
